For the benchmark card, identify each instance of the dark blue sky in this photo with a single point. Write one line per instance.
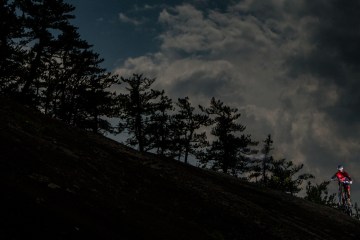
(99, 23)
(291, 67)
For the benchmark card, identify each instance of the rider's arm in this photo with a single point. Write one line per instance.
(334, 177)
(348, 176)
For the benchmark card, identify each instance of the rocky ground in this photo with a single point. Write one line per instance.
(58, 182)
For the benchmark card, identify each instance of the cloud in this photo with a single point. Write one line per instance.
(194, 31)
(334, 56)
(291, 67)
(226, 55)
(126, 19)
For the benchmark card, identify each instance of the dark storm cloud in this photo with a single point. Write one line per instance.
(263, 10)
(335, 58)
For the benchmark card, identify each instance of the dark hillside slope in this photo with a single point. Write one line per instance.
(58, 182)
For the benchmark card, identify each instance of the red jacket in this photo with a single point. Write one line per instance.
(342, 176)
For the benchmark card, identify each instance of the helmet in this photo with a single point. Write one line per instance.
(340, 167)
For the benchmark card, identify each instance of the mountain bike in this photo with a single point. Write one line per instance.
(344, 198)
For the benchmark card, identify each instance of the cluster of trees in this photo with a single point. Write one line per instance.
(45, 64)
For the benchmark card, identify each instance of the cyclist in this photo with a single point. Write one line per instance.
(344, 180)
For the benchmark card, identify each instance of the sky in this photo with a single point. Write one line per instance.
(291, 67)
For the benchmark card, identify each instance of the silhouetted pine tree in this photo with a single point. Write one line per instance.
(43, 21)
(12, 54)
(75, 88)
(94, 102)
(318, 193)
(284, 176)
(227, 151)
(65, 71)
(357, 211)
(266, 162)
(260, 167)
(159, 130)
(138, 103)
(186, 123)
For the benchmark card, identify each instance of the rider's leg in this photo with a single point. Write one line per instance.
(340, 196)
(348, 193)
